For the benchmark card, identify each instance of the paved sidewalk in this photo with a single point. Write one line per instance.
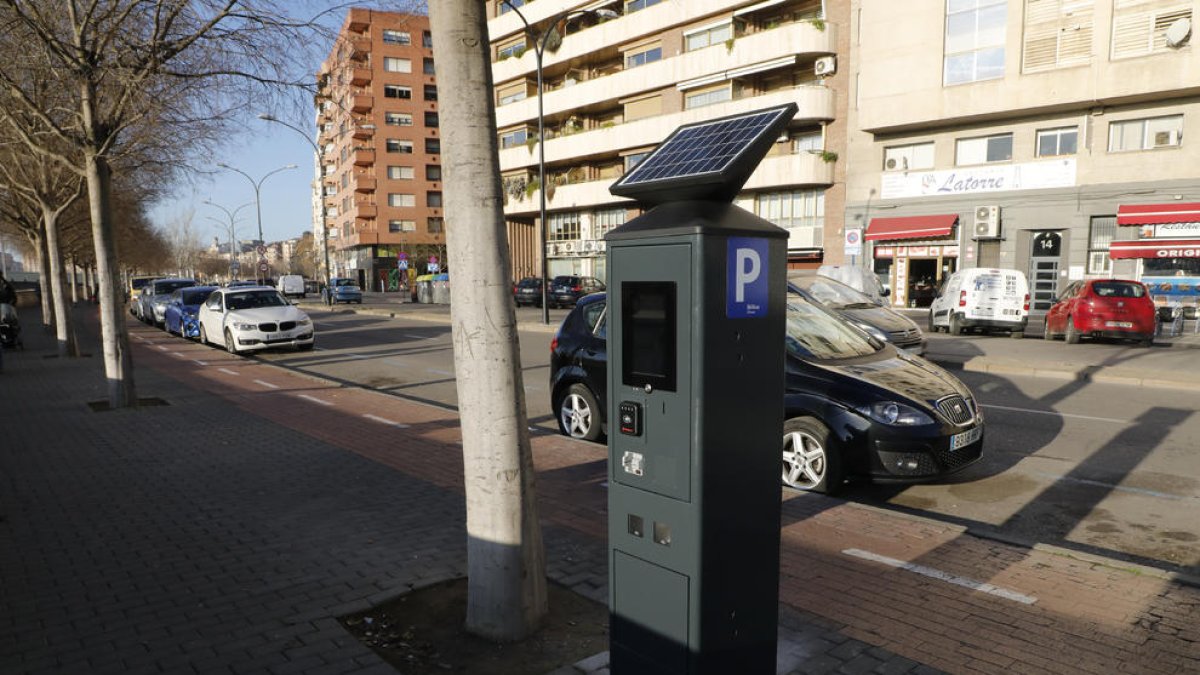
(224, 532)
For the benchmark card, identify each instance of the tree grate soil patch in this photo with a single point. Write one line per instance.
(423, 632)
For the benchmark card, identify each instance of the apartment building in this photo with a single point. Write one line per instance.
(1048, 136)
(623, 74)
(377, 118)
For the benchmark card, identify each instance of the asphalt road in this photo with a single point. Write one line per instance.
(1101, 468)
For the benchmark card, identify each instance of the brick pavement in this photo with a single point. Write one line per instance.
(231, 547)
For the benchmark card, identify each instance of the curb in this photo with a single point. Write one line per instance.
(418, 315)
(1098, 375)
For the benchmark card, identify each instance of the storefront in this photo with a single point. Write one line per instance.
(911, 255)
(1167, 250)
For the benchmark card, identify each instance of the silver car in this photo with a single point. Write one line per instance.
(154, 296)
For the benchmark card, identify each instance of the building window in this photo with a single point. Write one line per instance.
(396, 91)
(563, 226)
(433, 172)
(707, 36)
(644, 55)
(646, 106)
(512, 50)
(1140, 26)
(911, 157)
(397, 199)
(635, 5)
(397, 119)
(603, 221)
(431, 119)
(506, 6)
(427, 39)
(435, 225)
(431, 92)
(346, 179)
(397, 145)
(1058, 33)
(1102, 233)
(400, 172)
(974, 40)
(703, 97)
(1145, 134)
(511, 139)
(807, 140)
(433, 200)
(427, 66)
(983, 150)
(801, 212)
(518, 91)
(433, 146)
(631, 161)
(1054, 142)
(394, 65)
(402, 226)
(396, 37)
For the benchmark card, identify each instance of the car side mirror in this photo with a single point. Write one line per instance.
(887, 292)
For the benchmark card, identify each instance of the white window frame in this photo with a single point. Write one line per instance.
(1150, 18)
(705, 97)
(962, 144)
(402, 93)
(1058, 132)
(398, 119)
(909, 157)
(395, 64)
(396, 172)
(957, 10)
(402, 225)
(403, 147)
(707, 36)
(396, 37)
(402, 200)
(515, 137)
(1148, 134)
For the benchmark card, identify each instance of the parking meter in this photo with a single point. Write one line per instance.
(696, 311)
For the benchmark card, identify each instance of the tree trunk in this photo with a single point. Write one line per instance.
(44, 283)
(64, 328)
(118, 361)
(506, 591)
(73, 277)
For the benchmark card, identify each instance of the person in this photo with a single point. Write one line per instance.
(8, 294)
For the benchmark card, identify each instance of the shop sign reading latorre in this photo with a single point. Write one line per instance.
(1056, 173)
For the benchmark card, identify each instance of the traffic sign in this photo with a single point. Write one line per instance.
(402, 256)
(402, 264)
(262, 250)
(433, 260)
(853, 244)
(263, 267)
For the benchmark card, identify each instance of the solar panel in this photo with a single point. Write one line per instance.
(706, 160)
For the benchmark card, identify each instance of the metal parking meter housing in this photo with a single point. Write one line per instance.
(696, 310)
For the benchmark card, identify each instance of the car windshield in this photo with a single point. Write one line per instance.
(814, 333)
(164, 287)
(528, 283)
(834, 294)
(344, 282)
(1118, 289)
(565, 281)
(254, 300)
(195, 297)
(137, 284)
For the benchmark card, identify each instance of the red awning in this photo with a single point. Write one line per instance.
(911, 227)
(1158, 214)
(1155, 248)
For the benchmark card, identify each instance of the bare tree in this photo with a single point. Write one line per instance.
(184, 243)
(506, 597)
(26, 221)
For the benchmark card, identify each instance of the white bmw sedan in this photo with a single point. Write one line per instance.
(253, 317)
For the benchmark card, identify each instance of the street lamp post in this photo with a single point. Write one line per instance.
(232, 215)
(258, 206)
(317, 151)
(539, 49)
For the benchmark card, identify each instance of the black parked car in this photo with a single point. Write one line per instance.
(855, 406)
(565, 291)
(880, 322)
(528, 291)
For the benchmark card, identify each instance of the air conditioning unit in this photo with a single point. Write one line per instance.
(896, 163)
(987, 222)
(825, 66)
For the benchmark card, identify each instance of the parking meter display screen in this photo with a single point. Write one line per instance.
(648, 324)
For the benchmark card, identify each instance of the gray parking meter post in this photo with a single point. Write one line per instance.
(696, 375)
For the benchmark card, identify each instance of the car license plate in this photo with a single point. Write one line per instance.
(965, 438)
(1119, 324)
(275, 336)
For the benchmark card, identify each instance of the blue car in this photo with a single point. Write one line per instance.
(183, 306)
(344, 290)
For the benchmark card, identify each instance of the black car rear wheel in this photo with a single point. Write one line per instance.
(808, 461)
(579, 414)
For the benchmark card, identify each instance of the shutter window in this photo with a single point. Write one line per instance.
(1058, 33)
(643, 107)
(1139, 25)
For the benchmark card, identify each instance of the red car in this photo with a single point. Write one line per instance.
(1111, 308)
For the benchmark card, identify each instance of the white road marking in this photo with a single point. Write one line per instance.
(163, 347)
(199, 362)
(1110, 486)
(314, 399)
(438, 372)
(943, 576)
(415, 337)
(226, 370)
(1056, 414)
(358, 356)
(268, 385)
(384, 420)
(320, 349)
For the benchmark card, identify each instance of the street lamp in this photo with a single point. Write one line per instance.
(539, 49)
(317, 151)
(258, 205)
(232, 215)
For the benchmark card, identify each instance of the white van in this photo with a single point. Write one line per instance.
(291, 285)
(982, 298)
(860, 279)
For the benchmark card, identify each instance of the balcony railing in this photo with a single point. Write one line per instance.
(364, 184)
(362, 103)
(360, 76)
(364, 156)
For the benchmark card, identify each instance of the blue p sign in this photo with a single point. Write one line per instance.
(746, 278)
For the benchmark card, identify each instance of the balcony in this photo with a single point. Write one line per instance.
(360, 48)
(364, 156)
(365, 211)
(362, 134)
(358, 20)
(364, 184)
(362, 103)
(802, 169)
(360, 77)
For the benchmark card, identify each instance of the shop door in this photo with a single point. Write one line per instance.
(1045, 259)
